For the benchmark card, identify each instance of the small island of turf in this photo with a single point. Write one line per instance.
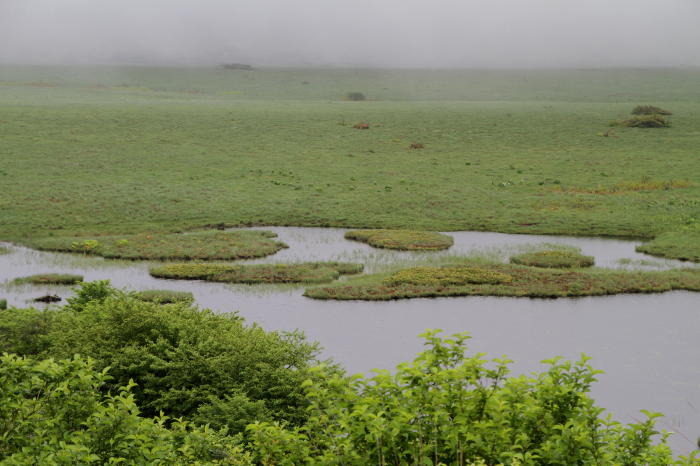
(405, 240)
(164, 296)
(202, 245)
(554, 259)
(50, 279)
(681, 245)
(484, 279)
(309, 272)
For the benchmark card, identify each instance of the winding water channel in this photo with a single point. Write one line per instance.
(648, 345)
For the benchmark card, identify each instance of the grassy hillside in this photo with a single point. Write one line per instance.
(105, 150)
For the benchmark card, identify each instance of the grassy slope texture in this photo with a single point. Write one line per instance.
(136, 150)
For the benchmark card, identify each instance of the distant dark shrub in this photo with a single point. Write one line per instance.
(51, 279)
(355, 96)
(417, 145)
(237, 66)
(647, 121)
(649, 110)
(3, 304)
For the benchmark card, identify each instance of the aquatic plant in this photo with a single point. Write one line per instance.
(308, 272)
(553, 258)
(50, 279)
(164, 296)
(201, 245)
(408, 240)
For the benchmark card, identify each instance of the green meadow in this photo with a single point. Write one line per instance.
(114, 151)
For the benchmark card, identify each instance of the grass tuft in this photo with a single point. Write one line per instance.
(406, 240)
(50, 279)
(646, 121)
(552, 258)
(310, 272)
(203, 245)
(164, 296)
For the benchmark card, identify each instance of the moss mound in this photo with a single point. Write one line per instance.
(649, 110)
(203, 245)
(164, 296)
(50, 279)
(310, 272)
(406, 240)
(441, 276)
(553, 258)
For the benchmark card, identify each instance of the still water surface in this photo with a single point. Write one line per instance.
(648, 345)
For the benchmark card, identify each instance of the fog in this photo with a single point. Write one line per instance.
(367, 33)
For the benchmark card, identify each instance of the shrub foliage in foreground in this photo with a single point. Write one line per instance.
(186, 362)
(446, 408)
(53, 412)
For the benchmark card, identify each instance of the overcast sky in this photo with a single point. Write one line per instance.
(373, 33)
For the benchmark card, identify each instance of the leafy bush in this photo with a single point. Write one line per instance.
(649, 110)
(50, 279)
(553, 258)
(164, 296)
(3, 304)
(355, 96)
(54, 412)
(450, 408)
(182, 358)
(409, 240)
(447, 276)
(308, 272)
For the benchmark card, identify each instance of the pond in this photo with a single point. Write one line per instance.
(646, 344)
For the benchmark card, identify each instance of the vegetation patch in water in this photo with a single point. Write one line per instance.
(407, 240)
(4, 250)
(203, 245)
(164, 296)
(441, 276)
(524, 282)
(50, 279)
(682, 245)
(553, 258)
(310, 272)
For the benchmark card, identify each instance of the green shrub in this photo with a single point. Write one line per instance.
(450, 408)
(355, 96)
(3, 304)
(202, 245)
(553, 258)
(308, 272)
(164, 296)
(55, 412)
(409, 240)
(649, 110)
(647, 121)
(440, 276)
(182, 358)
(50, 279)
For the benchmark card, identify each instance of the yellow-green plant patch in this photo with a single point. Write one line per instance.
(407, 240)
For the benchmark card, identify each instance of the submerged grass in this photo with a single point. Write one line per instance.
(50, 279)
(164, 296)
(406, 240)
(309, 272)
(203, 245)
(553, 258)
(524, 282)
